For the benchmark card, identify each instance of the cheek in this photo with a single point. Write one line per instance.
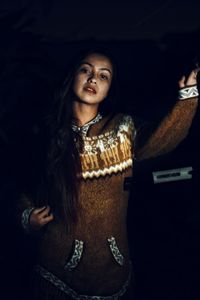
(77, 83)
(105, 90)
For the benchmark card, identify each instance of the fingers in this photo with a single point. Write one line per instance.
(190, 80)
(45, 212)
(194, 73)
(39, 209)
(42, 211)
(40, 217)
(46, 220)
(182, 82)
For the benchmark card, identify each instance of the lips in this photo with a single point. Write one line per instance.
(90, 89)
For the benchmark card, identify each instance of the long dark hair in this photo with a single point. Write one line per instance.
(60, 182)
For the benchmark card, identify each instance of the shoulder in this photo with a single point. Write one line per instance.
(114, 122)
(124, 122)
(119, 119)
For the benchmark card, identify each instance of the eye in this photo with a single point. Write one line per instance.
(104, 77)
(84, 70)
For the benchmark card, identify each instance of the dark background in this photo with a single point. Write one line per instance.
(154, 43)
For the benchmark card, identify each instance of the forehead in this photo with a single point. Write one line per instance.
(99, 61)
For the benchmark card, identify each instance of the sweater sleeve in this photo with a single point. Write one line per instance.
(24, 209)
(170, 132)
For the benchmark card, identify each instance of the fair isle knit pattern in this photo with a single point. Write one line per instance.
(108, 153)
(84, 129)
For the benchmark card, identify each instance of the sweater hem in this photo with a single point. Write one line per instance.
(62, 286)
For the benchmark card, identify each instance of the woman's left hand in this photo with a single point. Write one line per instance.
(190, 80)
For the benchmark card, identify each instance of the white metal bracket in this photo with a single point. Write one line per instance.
(172, 175)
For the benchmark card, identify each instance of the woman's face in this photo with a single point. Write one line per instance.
(93, 79)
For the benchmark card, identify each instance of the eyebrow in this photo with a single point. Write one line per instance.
(102, 69)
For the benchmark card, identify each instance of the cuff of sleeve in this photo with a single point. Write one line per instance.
(25, 219)
(188, 92)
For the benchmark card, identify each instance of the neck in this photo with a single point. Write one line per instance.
(84, 113)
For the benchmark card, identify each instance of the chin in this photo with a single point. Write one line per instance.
(90, 101)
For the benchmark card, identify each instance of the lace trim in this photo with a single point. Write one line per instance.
(115, 251)
(84, 129)
(25, 218)
(76, 257)
(72, 293)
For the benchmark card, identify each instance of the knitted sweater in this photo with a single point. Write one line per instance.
(94, 258)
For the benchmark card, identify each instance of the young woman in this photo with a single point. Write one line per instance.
(80, 208)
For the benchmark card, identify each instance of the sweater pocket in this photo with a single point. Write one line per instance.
(119, 258)
(77, 252)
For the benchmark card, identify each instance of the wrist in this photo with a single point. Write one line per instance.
(25, 219)
(188, 92)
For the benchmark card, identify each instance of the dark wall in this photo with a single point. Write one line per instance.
(164, 219)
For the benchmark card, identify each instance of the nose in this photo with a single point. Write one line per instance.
(92, 79)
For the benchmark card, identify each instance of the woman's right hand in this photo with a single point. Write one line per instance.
(39, 217)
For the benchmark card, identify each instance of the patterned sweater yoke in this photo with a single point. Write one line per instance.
(109, 150)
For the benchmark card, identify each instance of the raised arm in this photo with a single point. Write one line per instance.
(175, 126)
